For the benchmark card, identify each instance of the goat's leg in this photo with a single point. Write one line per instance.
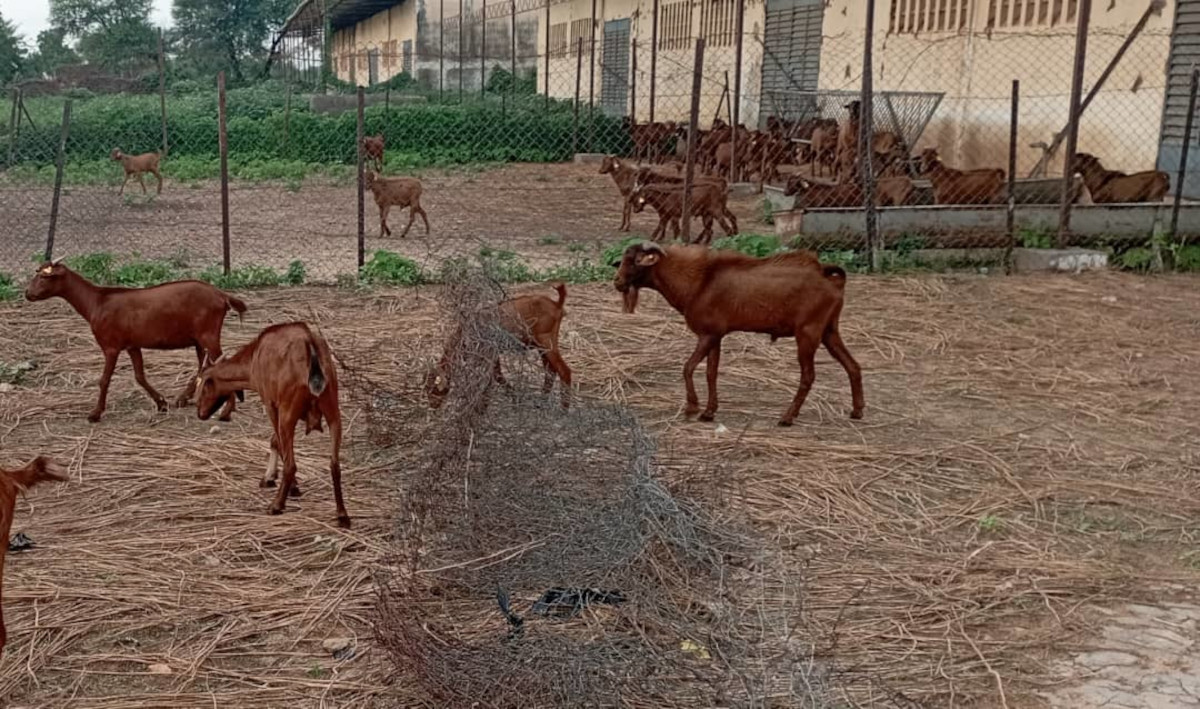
(674, 229)
(272, 471)
(383, 226)
(710, 375)
(123, 183)
(142, 181)
(335, 467)
(806, 349)
(285, 429)
(703, 345)
(412, 217)
(837, 348)
(626, 214)
(706, 233)
(139, 373)
(416, 207)
(158, 176)
(188, 391)
(559, 365)
(110, 363)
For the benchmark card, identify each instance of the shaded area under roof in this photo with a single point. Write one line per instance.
(342, 13)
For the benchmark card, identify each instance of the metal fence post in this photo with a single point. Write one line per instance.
(578, 81)
(13, 117)
(689, 176)
(512, 87)
(1064, 216)
(592, 80)
(546, 79)
(633, 85)
(223, 140)
(462, 23)
(483, 51)
(653, 54)
(1010, 219)
(442, 52)
(162, 91)
(362, 226)
(736, 97)
(866, 129)
(287, 122)
(1188, 125)
(58, 178)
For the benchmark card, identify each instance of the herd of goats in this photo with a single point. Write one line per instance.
(792, 295)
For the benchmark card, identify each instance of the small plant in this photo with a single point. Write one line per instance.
(389, 268)
(296, 273)
(613, 253)
(8, 289)
(15, 373)
(584, 271)
(989, 523)
(1139, 258)
(1040, 238)
(768, 211)
(505, 266)
(757, 245)
(550, 240)
(908, 243)
(316, 671)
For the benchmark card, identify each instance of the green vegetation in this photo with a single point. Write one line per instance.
(8, 289)
(391, 269)
(108, 269)
(1035, 238)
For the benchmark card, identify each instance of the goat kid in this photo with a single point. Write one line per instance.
(396, 192)
(137, 166)
(293, 372)
(719, 292)
(623, 177)
(13, 482)
(708, 203)
(171, 316)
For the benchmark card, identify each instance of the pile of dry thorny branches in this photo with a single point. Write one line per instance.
(539, 562)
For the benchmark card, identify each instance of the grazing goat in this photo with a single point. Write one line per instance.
(137, 166)
(396, 192)
(708, 203)
(622, 176)
(534, 320)
(719, 292)
(810, 195)
(12, 482)
(292, 370)
(171, 316)
(950, 186)
(823, 146)
(1109, 186)
(372, 149)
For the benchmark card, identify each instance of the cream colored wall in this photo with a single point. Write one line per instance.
(397, 23)
(975, 69)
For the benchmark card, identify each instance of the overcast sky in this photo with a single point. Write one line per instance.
(33, 16)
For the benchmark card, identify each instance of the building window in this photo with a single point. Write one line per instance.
(581, 29)
(922, 16)
(717, 22)
(1032, 13)
(675, 25)
(362, 61)
(558, 40)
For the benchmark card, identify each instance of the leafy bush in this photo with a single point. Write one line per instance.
(757, 245)
(8, 289)
(389, 268)
(106, 269)
(1136, 259)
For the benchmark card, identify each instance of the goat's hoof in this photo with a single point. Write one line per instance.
(856, 414)
(161, 405)
(225, 417)
(266, 483)
(344, 521)
(181, 402)
(295, 491)
(785, 423)
(94, 417)
(690, 411)
(273, 510)
(707, 416)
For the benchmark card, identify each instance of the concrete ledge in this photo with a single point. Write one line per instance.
(588, 158)
(1068, 260)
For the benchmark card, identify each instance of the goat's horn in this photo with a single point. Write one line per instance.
(57, 261)
(652, 246)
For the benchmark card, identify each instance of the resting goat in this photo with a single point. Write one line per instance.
(171, 316)
(719, 292)
(534, 320)
(12, 482)
(292, 370)
(1111, 186)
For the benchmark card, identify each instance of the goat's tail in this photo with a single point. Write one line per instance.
(837, 274)
(316, 377)
(238, 305)
(39, 470)
(562, 292)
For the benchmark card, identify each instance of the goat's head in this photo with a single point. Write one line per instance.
(369, 178)
(208, 397)
(929, 159)
(795, 185)
(634, 269)
(855, 109)
(637, 199)
(1084, 162)
(609, 164)
(49, 281)
(437, 386)
(116, 154)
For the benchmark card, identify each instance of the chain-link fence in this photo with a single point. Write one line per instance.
(490, 104)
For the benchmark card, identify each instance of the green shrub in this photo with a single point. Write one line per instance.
(296, 273)
(757, 245)
(8, 289)
(505, 266)
(1136, 259)
(389, 268)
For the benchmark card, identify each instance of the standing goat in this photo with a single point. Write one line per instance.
(396, 192)
(12, 482)
(171, 316)
(719, 292)
(292, 370)
(137, 166)
(534, 320)
(623, 177)
(372, 149)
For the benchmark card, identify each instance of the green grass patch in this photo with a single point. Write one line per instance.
(8, 288)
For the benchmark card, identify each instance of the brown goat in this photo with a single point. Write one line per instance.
(811, 195)
(708, 203)
(648, 139)
(396, 192)
(893, 191)
(534, 320)
(12, 482)
(137, 166)
(622, 176)
(1111, 186)
(950, 186)
(719, 292)
(171, 316)
(823, 146)
(293, 372)
(372, 149)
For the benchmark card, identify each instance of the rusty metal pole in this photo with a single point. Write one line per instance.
(1011, 218)
(462, 23)
(689, 176)
(592, 80)
(1188, 125)
(866, 129)
(483, 51)
(633, 87)
(12, 129)
(1068, 180)
(58, 179)
(162, 91)
(546, 79)
(223, 142)
(442, 52)
(578, 81)
(362, 224)
(512, 87)
(736, 97)
(653, 55)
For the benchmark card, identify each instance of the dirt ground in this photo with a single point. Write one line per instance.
(549, 214)
(1024, 481)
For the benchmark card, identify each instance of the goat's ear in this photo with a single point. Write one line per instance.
(647, 258)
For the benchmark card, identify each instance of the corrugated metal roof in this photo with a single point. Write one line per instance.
(342, 13)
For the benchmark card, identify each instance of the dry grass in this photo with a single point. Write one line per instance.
(1028, 450)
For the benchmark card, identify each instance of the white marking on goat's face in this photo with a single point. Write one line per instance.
(47, 270)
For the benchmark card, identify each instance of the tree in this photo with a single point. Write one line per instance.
(52, 52)
(12, 52)
(229, 35)
(114, 34)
